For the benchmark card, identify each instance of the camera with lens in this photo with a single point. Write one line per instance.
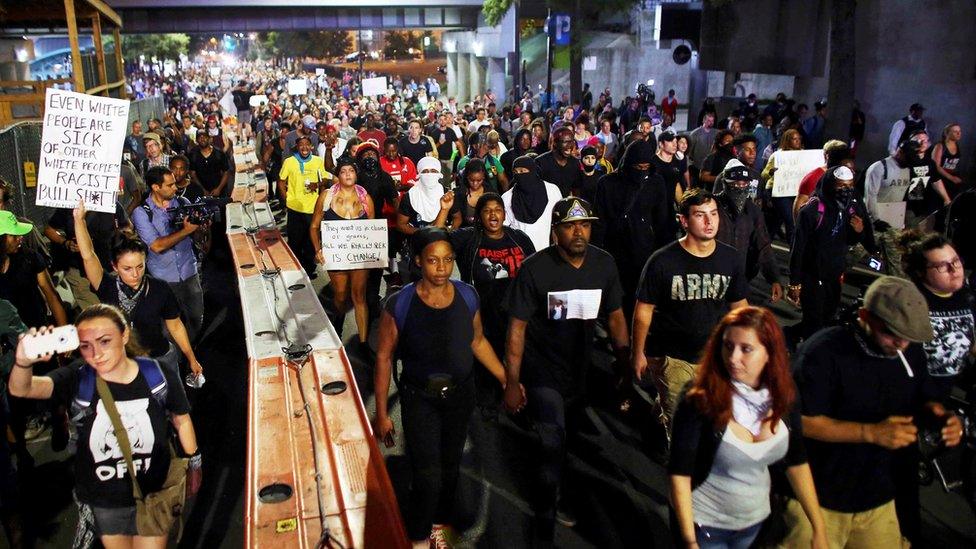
(205, 209)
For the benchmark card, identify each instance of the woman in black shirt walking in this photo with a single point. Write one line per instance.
(435, 327)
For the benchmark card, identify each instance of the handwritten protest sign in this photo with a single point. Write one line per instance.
(791, 167)
(354, 244)
(81, 150)
(298, 86)
(374, 86)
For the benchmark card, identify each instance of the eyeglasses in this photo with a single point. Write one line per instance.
(943, 267)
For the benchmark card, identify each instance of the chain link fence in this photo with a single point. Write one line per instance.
(21, 143)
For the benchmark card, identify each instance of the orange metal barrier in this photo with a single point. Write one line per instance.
(315, 475)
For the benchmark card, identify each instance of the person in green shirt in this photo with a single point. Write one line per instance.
(496, 181)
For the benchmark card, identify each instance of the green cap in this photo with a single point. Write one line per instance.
(898, 303)
(10, 225)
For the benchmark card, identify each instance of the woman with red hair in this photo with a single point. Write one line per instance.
(733, 422)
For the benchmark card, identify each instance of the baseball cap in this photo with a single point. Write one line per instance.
(10, 225)
(736, 171)
(898, 303)
(571, 209)
(152, 136)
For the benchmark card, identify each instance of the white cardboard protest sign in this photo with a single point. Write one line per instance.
(256, 100)
(791, 167)
(81, 150)
(355, 244)
(298, 86)
(374, 86)
(319, 72)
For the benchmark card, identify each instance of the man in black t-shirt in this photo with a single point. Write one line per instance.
(551, 357)
(445, 139)
(559, 166)
(686, 288)
(209, 166)
(415, 144)
(865, 396)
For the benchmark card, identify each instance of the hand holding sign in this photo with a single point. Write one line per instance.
(81, 150)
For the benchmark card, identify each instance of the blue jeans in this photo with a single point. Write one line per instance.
(709, 537)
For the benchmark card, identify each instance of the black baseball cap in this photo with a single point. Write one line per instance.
(571, 209)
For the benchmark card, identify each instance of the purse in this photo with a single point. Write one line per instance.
(156, 512)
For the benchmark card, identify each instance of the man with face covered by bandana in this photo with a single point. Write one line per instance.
(636, 214)
(832, 220)
(742, 225)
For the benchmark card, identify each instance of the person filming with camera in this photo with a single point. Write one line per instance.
(171, 256)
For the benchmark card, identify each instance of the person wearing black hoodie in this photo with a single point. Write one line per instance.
(743, 226)
(826, 225)
(521, 146)
(636, 215)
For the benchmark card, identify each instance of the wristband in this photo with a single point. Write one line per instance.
(28, 367)
(196, 461)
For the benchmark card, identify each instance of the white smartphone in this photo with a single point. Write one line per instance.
(59, 340)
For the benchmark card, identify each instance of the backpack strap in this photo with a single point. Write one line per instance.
(469, 295)
(86, 389)
(821, 211)
(145, 207)
(404, 299)
(152, 372)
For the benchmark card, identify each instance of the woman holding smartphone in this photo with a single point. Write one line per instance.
(113, 361)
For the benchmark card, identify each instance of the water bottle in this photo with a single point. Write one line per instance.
(195, 381)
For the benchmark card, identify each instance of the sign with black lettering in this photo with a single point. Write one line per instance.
(81, 150)
(355, 244)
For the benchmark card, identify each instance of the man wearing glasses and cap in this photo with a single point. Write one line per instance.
(550, 356)
(865, 396)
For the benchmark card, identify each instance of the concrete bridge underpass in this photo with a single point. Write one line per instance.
(189, 16)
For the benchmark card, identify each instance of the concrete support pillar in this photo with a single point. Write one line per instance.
(497, 81)
(463, 86)
(477, 76)
(452, 74)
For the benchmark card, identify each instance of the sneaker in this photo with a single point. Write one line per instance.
(566, 518)
(440, 537)
(35, 427)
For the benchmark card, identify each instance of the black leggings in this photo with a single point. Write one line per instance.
(297, 230)
(434, 429)
(819, 300)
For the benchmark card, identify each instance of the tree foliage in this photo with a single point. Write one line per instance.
(160, 46)
(317, 44)
(494, 10)
(399, 44)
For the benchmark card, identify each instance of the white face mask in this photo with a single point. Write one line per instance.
(430, 179)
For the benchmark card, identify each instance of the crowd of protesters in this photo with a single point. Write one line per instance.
(573, 225)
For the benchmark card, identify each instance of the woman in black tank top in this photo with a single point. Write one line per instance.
(344, 201)
(434, 326)
(946, 156)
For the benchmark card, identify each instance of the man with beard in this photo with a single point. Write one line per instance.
(685, 288)
(559, 166)
(635, 214)
(209, 166)
(372, 131)
(550, 358)
(302, 177)
(826, 225)
(742, 225)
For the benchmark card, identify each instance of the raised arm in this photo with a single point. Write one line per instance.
(93, 267)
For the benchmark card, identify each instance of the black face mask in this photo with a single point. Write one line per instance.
(370, 165)
(738, 196)
(844, 196)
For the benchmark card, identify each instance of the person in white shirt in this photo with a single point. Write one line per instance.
(905, 127)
